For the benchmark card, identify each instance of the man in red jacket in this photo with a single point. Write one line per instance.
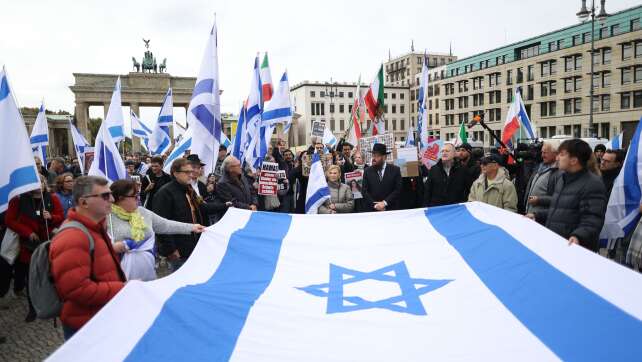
(83, 282)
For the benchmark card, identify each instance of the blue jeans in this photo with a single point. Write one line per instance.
(68, 332)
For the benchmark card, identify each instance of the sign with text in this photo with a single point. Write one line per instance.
(268, 179)
(366, 143)
(318, 129)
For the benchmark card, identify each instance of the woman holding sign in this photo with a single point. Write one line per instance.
(340, 194)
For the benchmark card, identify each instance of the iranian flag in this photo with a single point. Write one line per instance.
(266, 80)
(462, 136)
(374, 101)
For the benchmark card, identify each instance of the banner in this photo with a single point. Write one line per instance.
(318, 129)
(460, 282)
(366, 143)
(268, 180)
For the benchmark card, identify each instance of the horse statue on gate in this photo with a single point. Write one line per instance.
(163, 66)
(148, 62)
(136, 64)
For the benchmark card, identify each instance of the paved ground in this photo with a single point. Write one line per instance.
(30, 341)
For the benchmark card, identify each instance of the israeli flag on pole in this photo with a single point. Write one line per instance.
(410, 138)
(422, 97)
(40, 135)
(139, 129)
(279, 108)
(329, 138)
(240, 138)
(80, 145)
(115, 120)
(467, 282)
(253, 118)
(159, 139)
(287, 127)
(19, 173)
(622, 212)
(179, 150)
(615, 143)
(318, 191)
(204, 111)
(107, 161)
(225, 141)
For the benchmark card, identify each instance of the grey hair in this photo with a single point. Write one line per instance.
(226, 163)
(83, 186)
(552, 144)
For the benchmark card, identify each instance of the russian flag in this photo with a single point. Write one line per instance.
(409, 285)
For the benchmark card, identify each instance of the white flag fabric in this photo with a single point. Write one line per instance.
(615, 143)
(407, 285)
(80, 145)
(114, 119)
(159, 139)
(107, 162)
(40, 135)
(422, 99)
(254, 110)
(19, 173)
(139, 129)
(279, 108)
(204, 111)
(179, 150)
(328, 137)
(318, 191)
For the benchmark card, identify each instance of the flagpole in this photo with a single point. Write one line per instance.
(42, 201)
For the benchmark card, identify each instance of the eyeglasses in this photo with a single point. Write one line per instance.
(184, 171)
(105, 195)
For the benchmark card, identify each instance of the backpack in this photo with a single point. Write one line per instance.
(42, 289)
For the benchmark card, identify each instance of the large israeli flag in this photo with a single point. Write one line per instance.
(18, 168)
(80, 145)
(159, 139)
(179, 150)
(39, 138)
(318, 191)
(622, 212)
(204, 111)
(107, 161)
(139, 129)
(240, 137)
(422, 99)
(279, 108)
(114, 119)
(254, 110)
(407, 285)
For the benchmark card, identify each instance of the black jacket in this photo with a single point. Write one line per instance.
(441, 189)
(608, 177)
(473, 170)
(296, 174)
(147, 198)
(388, 189)
(171, 203)
(239, 193)
(577, 208)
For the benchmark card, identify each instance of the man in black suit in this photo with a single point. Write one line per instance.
(381, 182)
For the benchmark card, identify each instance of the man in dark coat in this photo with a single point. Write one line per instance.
(381, 182)
(178, 201)
(447, 181)
(153, 181)
(578, 204)
(610, 167)
(233, 186)
(469, 164)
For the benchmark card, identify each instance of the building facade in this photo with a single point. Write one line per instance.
(332, 103)
(553, 73)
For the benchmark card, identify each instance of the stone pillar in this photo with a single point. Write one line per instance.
(70, 142)
(135, 140)
(106, 109)
(82, 117)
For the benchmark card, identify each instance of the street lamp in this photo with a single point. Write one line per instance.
(583, 15)
(332, 91)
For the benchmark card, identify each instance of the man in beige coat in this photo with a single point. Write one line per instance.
(493, 186)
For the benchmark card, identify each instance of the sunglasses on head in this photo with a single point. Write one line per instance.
(105, 195)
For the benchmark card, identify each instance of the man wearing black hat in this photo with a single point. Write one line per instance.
(381, 182)
(197, 171)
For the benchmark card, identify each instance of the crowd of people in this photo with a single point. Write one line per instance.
(565, 187)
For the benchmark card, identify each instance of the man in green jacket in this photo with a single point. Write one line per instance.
(493, 186)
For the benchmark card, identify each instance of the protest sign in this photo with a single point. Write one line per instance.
(268, 181)
(431, 154)
(354, 180)
(407, 161)
(318, 129)
(366, 143)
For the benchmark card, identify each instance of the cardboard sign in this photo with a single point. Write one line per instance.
(366, 143)
(407, 161)
(431, 154)
(268, 181)
(318, 129)
(354, 180)
(281, 177)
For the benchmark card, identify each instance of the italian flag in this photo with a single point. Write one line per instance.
(462, 136)
(266, 79)
(374, 99)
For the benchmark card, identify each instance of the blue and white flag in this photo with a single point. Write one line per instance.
(40, 135)
(287, 127)
(615, 143)
(107, 162)
(410, 138)
(422, 112)
(329, 138)
(318, 191)
(159, 139)
(204, 111)
(279, 108)
(19, 173)
(114, 119)
(623, 210)
(408, 285)
(225, 141)
(254, 107)
(81, 146)
(240, 138)
(139, 129)
(179, 150)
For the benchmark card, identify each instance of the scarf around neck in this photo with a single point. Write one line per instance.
(136, 221)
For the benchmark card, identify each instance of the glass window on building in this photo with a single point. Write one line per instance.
(567, 130)
(332, 109)
(341, 108)
(394, 95)
(394, 124)
(552, 108)
(509, 77)
(402, 109)
(530, 92)
(606, 56)
(627, 51)
(520, 75)
(543, 132)
(578, 83)
(322, 94)
(596, 103)
(606, 103)
(604, 32)
(568, 85)
(635, 24)
(332, 124)
(625, 100)
(568, 64)
(578, 62)
(543, 109)
(402, 124)
(596, 57)
(638, 49)
(342, 124)
(312, 94)
(586, 37)
(350, 95)
(576, 40)
(626, 75)
(552, 88)
(596, 80)
(606, 79)
(577, 130)
(615, 29)
(509, 95)
(605, 130)
(543, 89)
(568, 106)
(394, 108)
(531, 72)
(637, 99)
(401, 96)
(578, 105)
(545, 69)
(638, 74)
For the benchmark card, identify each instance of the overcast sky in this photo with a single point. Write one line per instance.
(43, 42)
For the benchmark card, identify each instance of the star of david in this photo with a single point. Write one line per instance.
(411, 290)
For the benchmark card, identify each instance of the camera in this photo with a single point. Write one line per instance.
(529, 151)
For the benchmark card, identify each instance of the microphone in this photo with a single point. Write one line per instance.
(478, 119)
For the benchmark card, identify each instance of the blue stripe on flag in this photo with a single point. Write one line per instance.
(19, 177)
(572, 321)
(252, 112)
(166, 119)
(116, 131)
(318, 195)
(4, 88)
(107, 163)
(39, 139)
(202, 322)
(277, 113)
(205, 117)
(139, 133)
(204, 86)
(632, 192)
(145, 127)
